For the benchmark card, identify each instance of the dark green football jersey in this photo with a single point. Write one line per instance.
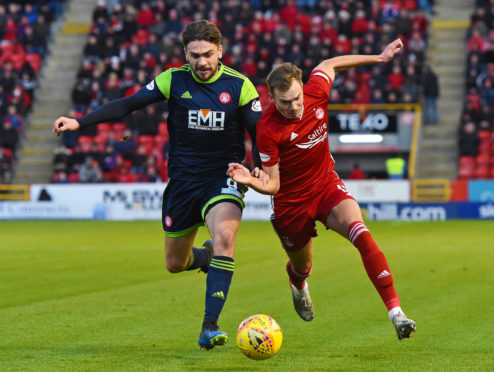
(207, 120)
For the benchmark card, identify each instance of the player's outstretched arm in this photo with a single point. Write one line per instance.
(266, 181)
(112, 110)
(342, 63)
(63, 124)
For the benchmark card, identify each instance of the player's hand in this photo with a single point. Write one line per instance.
(259, 173)
(391, 50)
(239, 173)
(63, 124)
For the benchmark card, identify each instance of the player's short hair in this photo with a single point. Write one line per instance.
(201, 30)
(281, 77)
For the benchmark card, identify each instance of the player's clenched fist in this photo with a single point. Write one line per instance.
(63, 124)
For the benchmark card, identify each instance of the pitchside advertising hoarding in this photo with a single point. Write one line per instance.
(380, 200)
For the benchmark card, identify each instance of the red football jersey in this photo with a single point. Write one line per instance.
(299, 146)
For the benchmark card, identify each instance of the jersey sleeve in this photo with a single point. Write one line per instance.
(164, 82)
(250, 115)
(248, 93)
(319, 84)
(121, 107)
(268, 148)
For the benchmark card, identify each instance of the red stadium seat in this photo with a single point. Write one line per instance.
(160, 141)
(483, 160)
(100, 140)
(467, 160)
(163, 129)
(18, 60)
(147, 142)
(73, 177)
(484, 148)
(485, 135)
(119, 129)
(466, 170)
(34, 60)
(119, 126)
(86, 143)
(482, 172)
(104, 127)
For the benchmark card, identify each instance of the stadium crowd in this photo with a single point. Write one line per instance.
(476, 130)
(24, 37)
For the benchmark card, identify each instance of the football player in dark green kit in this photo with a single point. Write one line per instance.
(210, 108)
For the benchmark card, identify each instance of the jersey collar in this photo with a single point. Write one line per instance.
(213, 79)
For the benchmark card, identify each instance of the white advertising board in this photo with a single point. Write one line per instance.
(371, 191)
(142, 201)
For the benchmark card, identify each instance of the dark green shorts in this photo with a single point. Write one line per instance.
(186, 203)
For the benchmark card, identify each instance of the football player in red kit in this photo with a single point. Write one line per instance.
(292, 137)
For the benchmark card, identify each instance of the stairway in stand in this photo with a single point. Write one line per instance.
(52, 98)
(446, 54)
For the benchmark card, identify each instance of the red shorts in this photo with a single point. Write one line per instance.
(295, 223)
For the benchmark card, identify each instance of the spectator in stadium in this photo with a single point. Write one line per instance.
(90, 171)
(152, 174)
(356, 173)
(61, 158)
(5, 165)
(81, 96)
(430, 84)
(15, 119)
(468, 139)
(61, 178)
(303, 181)
(9, 136)
(396, 167)
(205, 96)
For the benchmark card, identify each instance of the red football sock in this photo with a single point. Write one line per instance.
(375, 263)
(297, 279)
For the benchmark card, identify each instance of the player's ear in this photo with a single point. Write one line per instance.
(220, 51)
(186, 54)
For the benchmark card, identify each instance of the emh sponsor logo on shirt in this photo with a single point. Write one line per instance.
(204, 119)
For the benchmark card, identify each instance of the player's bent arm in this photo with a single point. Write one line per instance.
(241, 174)
(342, 63)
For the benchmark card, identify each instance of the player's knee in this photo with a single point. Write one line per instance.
(224, 242)
(174, 266)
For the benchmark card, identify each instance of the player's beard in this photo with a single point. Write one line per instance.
(205, 73)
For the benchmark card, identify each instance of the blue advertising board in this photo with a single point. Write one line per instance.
(427, 211)
(480, 191)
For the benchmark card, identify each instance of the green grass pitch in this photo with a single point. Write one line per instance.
(95, 296)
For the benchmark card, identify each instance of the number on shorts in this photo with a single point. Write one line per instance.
(231, 183)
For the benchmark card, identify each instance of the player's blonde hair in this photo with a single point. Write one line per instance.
(201, 30)
(281, 77)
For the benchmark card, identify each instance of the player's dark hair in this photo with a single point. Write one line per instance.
(201, 30)
(281, 77)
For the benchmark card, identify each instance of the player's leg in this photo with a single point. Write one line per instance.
(346, 219)
(299, 268)
(222, 220)
(181, 217)
(180, 254)
(295, 230)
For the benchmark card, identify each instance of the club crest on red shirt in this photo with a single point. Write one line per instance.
(319, 113)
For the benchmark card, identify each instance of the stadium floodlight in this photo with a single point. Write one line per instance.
(360, 138)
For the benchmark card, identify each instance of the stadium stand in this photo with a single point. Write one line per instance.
(131, 42)
(24, 37)
(476, 131)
